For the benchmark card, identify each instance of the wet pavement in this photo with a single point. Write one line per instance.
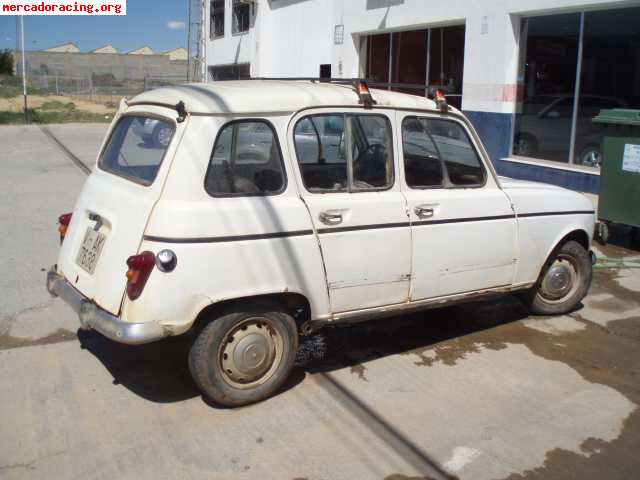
(478, 391)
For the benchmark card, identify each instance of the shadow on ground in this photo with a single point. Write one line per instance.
(159, 371)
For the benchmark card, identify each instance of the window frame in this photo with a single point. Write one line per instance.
(446, 184)
(283, 169)
(117, 173)
(235, 4)
(212, 33)
(348, 155)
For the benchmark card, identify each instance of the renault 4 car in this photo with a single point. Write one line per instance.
(271, 209)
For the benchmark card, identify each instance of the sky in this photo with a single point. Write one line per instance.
(160, 24)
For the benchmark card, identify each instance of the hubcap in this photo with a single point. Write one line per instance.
(164, 135)
(592, 158)
(560, 280)
(522, 147)
(251, 353)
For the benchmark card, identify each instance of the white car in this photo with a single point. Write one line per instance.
(279, 207)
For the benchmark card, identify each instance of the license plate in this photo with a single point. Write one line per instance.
(90, 250)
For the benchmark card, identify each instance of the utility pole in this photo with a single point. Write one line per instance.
(24, 71)
(189, 42)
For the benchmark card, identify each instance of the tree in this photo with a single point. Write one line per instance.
(6, 62)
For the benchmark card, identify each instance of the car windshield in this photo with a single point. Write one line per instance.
(136, 148)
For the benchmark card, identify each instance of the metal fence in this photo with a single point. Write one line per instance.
(99, 88)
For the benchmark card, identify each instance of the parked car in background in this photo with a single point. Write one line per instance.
(543, 129)
(299, 206)
(153, 132)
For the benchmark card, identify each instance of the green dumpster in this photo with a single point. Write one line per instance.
(619, 200)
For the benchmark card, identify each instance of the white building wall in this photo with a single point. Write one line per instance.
(293, 37)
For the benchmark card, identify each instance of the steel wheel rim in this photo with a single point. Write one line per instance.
(592, 158)
(251, 353)
(164, 136)
(522, 147)
(560, 280)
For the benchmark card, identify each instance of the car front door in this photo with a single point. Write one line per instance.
(463, 226)
(347, 178)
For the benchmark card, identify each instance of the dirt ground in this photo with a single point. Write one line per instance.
(35, 101)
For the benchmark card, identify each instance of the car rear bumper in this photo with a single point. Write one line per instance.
(93, 317)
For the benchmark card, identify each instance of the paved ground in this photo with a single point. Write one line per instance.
(474, 392)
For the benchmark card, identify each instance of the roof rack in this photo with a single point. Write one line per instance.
(433, 93)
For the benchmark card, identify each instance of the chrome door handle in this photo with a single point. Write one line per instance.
(424, 211)
(329, 218)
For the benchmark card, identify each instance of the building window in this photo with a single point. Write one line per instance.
(239, 71)
(561, 90)
(241, 16)
(217, 18)
(325, 71)
(432, 56)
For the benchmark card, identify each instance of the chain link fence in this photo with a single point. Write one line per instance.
(98, 88)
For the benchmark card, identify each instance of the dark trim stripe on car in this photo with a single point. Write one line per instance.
(233, 238)
(323, 231)
(544, 214)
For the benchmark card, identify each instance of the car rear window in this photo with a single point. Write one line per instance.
(137, 147)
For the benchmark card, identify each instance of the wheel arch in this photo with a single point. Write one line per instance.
(574, 234)
(295, 303)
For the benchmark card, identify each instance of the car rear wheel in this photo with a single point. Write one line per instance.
(563, 283)
(244, 356)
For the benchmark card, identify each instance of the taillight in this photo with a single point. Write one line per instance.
(140, 267)
(63, 224)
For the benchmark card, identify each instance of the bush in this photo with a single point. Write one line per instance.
(58, 105)
(6, 62)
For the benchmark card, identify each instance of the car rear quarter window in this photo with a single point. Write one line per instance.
(246, 160)
(137, 147)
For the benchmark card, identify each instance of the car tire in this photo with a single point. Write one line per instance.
(563, 283)
(244, 356)
(590, 156)
(603, 232)
(525, 145)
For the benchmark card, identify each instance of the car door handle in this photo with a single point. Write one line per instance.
(329, 218)
(424, 211)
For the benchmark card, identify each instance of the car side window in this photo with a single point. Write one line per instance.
(422, 164)
(246, 160)
(328, 144)
(371, 152)
(439, 153)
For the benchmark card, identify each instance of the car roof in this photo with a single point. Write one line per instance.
(271, 96)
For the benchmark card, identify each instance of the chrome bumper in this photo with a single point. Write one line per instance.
(93, 317)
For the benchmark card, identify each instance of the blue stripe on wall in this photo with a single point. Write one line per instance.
(495, 131)
(578, 181)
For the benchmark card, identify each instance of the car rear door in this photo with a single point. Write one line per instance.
(463, 227)
(347, 168)
(112, 211)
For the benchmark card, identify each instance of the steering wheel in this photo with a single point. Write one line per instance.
(376, 149)
(368, 169)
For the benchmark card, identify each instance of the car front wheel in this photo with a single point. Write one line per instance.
(245, 356)
(563, 283)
